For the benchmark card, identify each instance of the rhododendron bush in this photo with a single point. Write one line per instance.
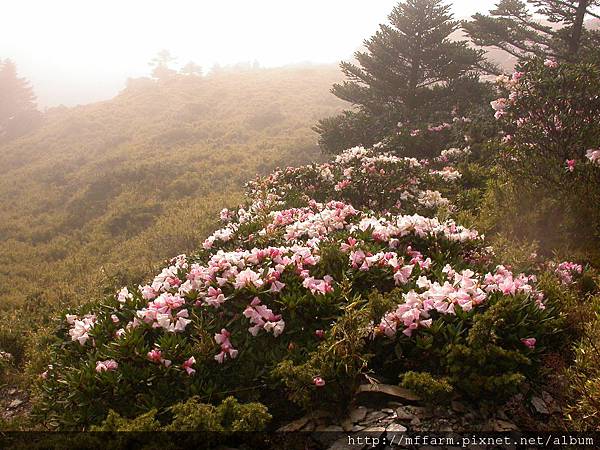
(550, 153)
(328, 271)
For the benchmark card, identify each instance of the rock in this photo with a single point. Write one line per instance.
(499, 425)
(458, 406)
(15, 403)
(374, 430)
(336, 428)
(340, 444)
(387, 410)
(403, 413)
(484, 411)
(358, 414)
(389, 389)
(440, 411)
(539, 405)
(415, 421)
(346, 425)
(356, 428)
(373, 417)
(550, 403)
(395, 428)
(420, 412)
(319, 414)
(295, 425)
(502, 415)
(310, 426)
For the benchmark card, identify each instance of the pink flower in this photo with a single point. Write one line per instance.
(318, 381)
(155, 355)
(593, 155)
(550, 63)
(187, 365)
(247, 277)
(529, 342)
(106, 366)
(517, 76)
(342, 184)
(402, 275)
(570, 165)
(316, 286)
(319, 333)
(227, 349)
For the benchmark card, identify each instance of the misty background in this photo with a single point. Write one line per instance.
(76, 52)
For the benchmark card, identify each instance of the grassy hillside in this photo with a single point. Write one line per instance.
(142, 177)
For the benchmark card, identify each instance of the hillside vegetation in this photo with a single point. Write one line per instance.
(140, 177)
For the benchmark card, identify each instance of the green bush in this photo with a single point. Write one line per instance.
(429, 388)
(192, 415)
(583, 376)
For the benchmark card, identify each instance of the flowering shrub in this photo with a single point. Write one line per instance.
(372, 179)
(550, 116)
(300, 295)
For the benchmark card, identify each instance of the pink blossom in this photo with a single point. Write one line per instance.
(529, 342)
(319, 333)
(227, 349)
(106, 366)
(550, 63)
(570, 165)
(187, 365)
(318, 381)
(593, 155)
(247, 278)
(318, 286)
(262, 317)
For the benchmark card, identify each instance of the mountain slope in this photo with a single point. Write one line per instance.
(141, 177)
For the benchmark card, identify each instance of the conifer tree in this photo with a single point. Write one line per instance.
(18, 113)
(161, 63)
(561, 34)
(409, 71)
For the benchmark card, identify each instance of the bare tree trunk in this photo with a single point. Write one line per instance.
(575, 41)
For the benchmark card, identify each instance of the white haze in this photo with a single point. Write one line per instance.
(78, 51)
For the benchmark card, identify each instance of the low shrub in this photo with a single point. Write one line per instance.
(429, 388)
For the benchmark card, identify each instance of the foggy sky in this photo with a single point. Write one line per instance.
(78, 51)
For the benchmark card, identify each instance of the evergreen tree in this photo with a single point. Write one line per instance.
(18, 113)
(191, 68)
(513, 28)
(409, 73)
(161, 65)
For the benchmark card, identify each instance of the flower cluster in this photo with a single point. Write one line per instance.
(396, 182)
(593, 155)
(566, 271)
(80, 327)
(464, 290)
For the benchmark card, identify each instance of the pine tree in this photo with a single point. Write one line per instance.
(408, 73)
(191, 68)
(18, 113)
(161, 65)
(513, 28)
